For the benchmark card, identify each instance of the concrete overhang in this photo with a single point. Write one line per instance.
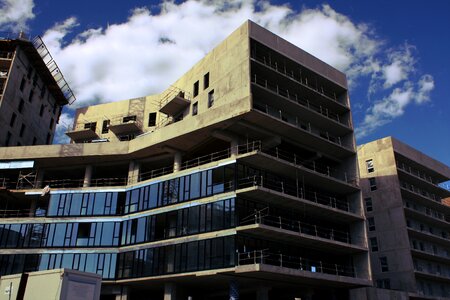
(175, 105)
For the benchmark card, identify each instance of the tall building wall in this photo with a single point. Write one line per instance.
(253, 192)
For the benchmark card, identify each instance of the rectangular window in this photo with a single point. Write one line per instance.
(206, 81)
(30, 96)
(41, 110)
(195, 89)
(8, 138)
(105, 126)
(195, 109)
(383, 283)
(129, 119)
(22, 84)
(13, 119)
(49, 139)
(210, 98)
(34, 141)
(369, 165)
(373, 184)
(384, 264)
(22, 130)
(20, 107)
(43, 92)
(52, 121)
(368, 202)
(371, 224)
(374, 244)
(92, 126)
(151, 119)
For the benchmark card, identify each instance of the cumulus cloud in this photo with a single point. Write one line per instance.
(64, 124)
(14, 14)
(150, 50)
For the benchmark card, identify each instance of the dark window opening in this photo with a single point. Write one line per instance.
(8, 138)
(84, 232)
(49, 138)
(30, 96)
(22, 84)
(128, 119)
(195, 88)
(92, 126)
(206, 81)
(22, 130)
(42, 92)
(105, 126)
(373, 184)
(52, 121)
(210, 98)
(29, 72)
(368, 202)
(152, 119)
(369, 165)
(374, 244)
(384, 264)
(371, 224)
(41, 111)
(13, 119)
(34, 141)
(21, 104)
(383, 283)
(195, 109)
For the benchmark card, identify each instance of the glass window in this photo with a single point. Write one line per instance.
(373, 184)
(368, 202)
(195, 186)
(84, 232)
(206, 81)
(194, 214)
(374, 244)
(195, 89)
(210, 98)
(384, 264)
(371, 224)
(151, 119)
(75, 207)
(195, 109)
(99, 203)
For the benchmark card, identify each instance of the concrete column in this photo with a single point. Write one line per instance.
(262, 293)
(234, 147)
(177, 161)
(40, 178)
(170, 291)
(234, 290)
(133, 172)
(87, 176)
(124, 294)
(33, 206)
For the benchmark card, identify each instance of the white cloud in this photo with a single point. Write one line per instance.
(14, 14)
(64, 124)
(149, 51)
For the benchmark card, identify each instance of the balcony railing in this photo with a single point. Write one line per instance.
(421, 175)
(420, 192)
(303, 81)
(297, 99)
(293, 190)
(306, 126)
(304, 228)
(266, 257)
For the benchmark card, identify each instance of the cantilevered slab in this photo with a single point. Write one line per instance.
(126, 127)
(174, 105)
(82, 134)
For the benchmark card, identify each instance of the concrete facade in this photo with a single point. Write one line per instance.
(407, 221)
(32, 93)
(240, 180)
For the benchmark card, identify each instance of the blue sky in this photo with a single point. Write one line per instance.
(395, 53)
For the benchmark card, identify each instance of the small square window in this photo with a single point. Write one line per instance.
(105, 126)
(368, 202)
(13, 119)
(210, 98)
(384, 264)
(369, 165)
(374, 244)
(22, 130)
(373, 183)
(151, 119)
(21, 104)
(371, 224)
(206, 81)
(195, 109)
(196, 88)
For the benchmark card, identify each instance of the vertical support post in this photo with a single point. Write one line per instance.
(177, 162)
(234, 290)
(234, 147)
(170, 291)
(133, 172)
(39, 179)
(87, 176)
(123, 294)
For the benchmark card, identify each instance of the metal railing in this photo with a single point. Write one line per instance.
(303, 228)
(294, 120)
(421, 175)
(420, 192)
(322, 169)
(54, 69)
(294, 190)
(295, 98)
(124, 119)
(172, 92)
(266, 257)
(303, 81)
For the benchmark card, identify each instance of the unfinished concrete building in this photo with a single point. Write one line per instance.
(32, 92)
(408, 222)
(239, 180)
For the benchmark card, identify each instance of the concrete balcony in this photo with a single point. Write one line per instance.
(83, 133)
(125, 124)
(422, 216)
(174, 103)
